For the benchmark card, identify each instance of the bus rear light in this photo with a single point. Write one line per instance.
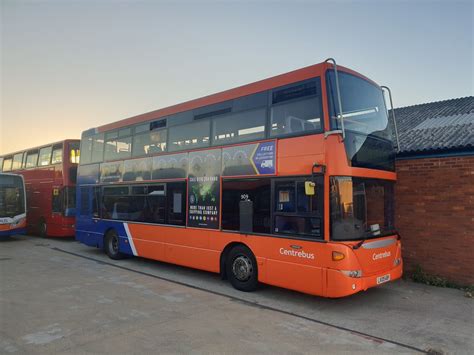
(397, 261)
(352, 273)
(337, 256)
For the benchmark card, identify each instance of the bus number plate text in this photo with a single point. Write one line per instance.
(382, 279)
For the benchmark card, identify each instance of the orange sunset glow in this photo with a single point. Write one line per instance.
(70, 66)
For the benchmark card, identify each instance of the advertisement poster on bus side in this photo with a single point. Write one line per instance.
(204, 188)
(249, 159)
(88, 174)
(137, 169)
(172, 166)
(111, 172)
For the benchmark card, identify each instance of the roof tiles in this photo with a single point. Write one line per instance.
(443, 125)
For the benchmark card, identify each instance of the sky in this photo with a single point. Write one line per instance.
(69, 65)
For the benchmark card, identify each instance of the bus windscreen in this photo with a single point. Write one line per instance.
(12, 199)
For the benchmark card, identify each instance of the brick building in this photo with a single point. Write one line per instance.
(435, 188)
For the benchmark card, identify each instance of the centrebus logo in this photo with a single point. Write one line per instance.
(298, 254)
(378, 256)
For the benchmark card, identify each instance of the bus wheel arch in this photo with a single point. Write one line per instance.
(239, 256)
(111, 244)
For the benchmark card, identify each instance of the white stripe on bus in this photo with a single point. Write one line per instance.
(130, 239)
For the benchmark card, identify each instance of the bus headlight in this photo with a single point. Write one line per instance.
(352, 273)
(16, 223)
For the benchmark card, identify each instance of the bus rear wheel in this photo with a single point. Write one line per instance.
(241, 269)
(111, 245)
(43, 228)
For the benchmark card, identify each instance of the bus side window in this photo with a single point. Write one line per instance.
(296, 213)
(285, 197)
(176, 203)
(7, 164)
(96, 202)
(84, 210)
(57, 154)
(256, 190)
(57, 205)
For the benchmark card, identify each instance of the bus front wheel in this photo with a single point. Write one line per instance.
(242, 269)
(111, 245)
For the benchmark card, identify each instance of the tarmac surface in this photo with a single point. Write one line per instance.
(58, 296)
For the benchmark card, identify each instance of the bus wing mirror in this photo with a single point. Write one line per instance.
(309, 188)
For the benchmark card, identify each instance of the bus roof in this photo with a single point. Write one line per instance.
(244, 90)
(39, 147)
(11, 174)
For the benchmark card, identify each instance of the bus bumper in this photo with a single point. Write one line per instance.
(61, 230)
(340, 285)
(8, 232)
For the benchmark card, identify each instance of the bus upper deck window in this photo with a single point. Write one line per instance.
(31, 159)
(74, 153)
(57, 156)
(7, 164)
(44, 156)
(75, 156)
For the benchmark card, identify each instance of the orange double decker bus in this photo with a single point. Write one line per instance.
(287, 181)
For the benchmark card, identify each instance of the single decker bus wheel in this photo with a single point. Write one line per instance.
(242, 269)
(111, 245)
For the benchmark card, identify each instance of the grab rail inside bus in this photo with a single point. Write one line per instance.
(393, 115)
(339, 102)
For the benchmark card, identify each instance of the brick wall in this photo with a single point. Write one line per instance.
(435, 216)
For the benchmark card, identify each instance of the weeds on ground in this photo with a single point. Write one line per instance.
(468, 291)
(419, 275)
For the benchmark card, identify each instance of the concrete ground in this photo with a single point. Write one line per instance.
(63, 297)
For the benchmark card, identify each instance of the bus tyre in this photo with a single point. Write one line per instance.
(111, 245)
(241, 269)
(43, 228)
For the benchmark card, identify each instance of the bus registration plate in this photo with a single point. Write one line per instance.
(382, 279)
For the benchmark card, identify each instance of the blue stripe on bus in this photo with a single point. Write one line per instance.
(101, 227)
(13, 232)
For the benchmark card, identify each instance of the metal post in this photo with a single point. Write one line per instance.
(339, 102)
(393, 116)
